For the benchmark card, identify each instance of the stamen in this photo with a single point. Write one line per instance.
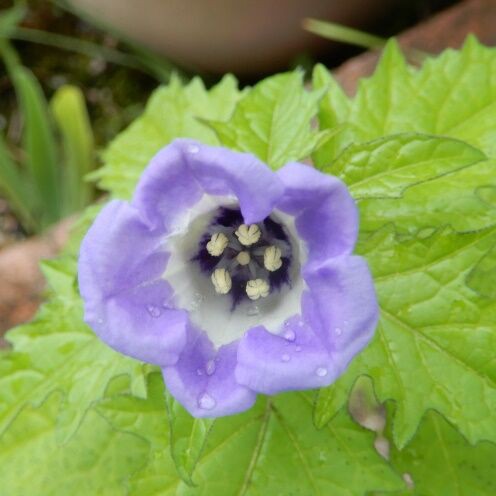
(217, 244)
(272, 258)
(221, 280)
(243, 258)
(248, 235)
(257, 288)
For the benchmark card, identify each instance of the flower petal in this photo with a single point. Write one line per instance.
(181, 173)
(326, 216)
(269, 363)
(203, 380)
(345, 304)
(120, 265)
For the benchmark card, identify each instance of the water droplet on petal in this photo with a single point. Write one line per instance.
(298, 348)
(253, 311)
(338, 331)
(99, 321)
(285, 358)
(199, 371)
(321, 372)
(206, 402)
(289, 334)
(154, 311)
(210, 367)
(301, 323)
(193, 148)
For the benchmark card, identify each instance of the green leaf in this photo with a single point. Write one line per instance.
(434, 345)
(187, 438)
(440, 462)
(58, 352)
(384, 168)
(333, 107)
(273, 121)
(97, 460)
(10, 18)
(455, 199)
(71, 116)
(272, 449)
(38, 138)
(13, 186)
(173, 111)
(453, 95)
(483, 276)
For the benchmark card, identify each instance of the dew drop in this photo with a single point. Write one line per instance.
(321, 372)
(99, 321)
(289, 335)
(252, 311)
(285, 358)
(193, 148)
(154, 311)
(210, 367)
(206, 402)
(301, 323)
(298, 348)
(338, 331)
(199, 372)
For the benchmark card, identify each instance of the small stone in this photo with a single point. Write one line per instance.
(221, 281)
(248, 235)
(217, 244)
(257, 288)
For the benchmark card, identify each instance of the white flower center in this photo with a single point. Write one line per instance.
(232, 291)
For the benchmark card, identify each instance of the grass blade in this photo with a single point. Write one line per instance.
(15, 189)
(69, 110)
(39, 140)
(343, 34)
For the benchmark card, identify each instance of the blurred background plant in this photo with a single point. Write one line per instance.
(75, 75)
(49, 147)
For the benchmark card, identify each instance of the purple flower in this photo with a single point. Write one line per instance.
(234, 279)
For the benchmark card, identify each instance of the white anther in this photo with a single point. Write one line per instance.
(217, 244)
(243, 258)
(248, 235)
(257, 288)
(272, 258)
(221, 281)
